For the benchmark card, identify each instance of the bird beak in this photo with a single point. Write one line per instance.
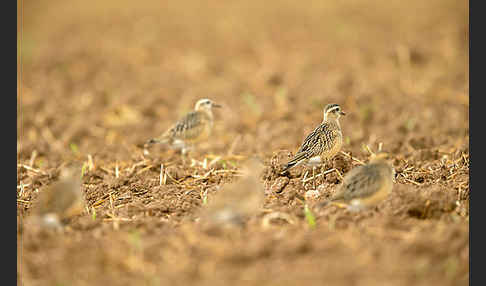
(342, 113)
(216, 105)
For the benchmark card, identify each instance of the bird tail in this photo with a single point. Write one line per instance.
(293, 162)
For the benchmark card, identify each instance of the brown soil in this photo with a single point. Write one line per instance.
(100, 79)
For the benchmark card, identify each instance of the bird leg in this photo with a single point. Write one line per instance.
(323, 167)
(322, 173)
(314, 176)
(184, 151)
(305, 178)
(332, 170)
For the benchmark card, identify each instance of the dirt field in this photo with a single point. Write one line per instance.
(99, 79)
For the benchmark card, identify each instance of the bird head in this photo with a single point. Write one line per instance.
(205, 104)
(333, 110)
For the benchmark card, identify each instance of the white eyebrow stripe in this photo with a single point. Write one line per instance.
(335, 107)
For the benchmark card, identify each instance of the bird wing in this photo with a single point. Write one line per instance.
(188, 127)
(360, 182)
(306, 150)
(323, 138)
(319, 140)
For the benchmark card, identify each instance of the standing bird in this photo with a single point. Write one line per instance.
(367, 185)
(323, 143)
(194, 127)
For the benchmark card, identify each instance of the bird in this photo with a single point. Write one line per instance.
(60, 200)
(194, 127)
(366, 185)
(323, 143)
(234, 203)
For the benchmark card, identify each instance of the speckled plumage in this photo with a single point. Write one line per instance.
(321, 144)
(194, 127)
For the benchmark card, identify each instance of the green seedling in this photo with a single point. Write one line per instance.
(93, 213)
(309, 216)
(40, 162)
(347, 140)
(451, 266)
(233, 163)
(84, 169)
(250, 100)
(204, 196)
(225, 164)
(410, 124)
(366, 112)
(317, 103)
(332, 223)
(281, 93)
(135, 240)
(74, 148)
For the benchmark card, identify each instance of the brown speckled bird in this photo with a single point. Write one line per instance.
(194, 127)
(323, 143)
(367, 185)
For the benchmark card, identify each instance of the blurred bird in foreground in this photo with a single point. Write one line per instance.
(365, 186)
(236, 202)
(194, 127)
(59, 201)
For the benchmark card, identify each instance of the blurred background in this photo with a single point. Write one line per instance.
(112, 74)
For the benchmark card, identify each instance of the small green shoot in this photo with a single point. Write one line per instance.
(366, 112)
(204, 195)
(451, 267)
(281, 93)
(84, 169)
(250, 100)
(347, 140)
(135, 240)
(233, 163)
(39, 162)
(74, 148)
(309, 216)
(225, 164)
(410, 124)
(317, 103)
(332, 223)
(93, 213)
